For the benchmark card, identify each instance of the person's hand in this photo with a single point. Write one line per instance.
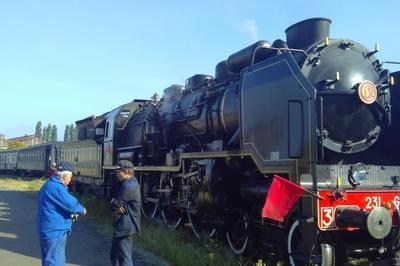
(121, 210)
(84, 211)
(74, 217)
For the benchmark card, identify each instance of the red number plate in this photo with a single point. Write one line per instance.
(365, 200)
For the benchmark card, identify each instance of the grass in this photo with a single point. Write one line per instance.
(178, 246)
(182, 248)
(98, 211)
(22, 184)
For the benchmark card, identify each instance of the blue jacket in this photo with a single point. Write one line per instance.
(128, 194)
(55, 208)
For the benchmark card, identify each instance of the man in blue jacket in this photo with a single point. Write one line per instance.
(55, 208)
(125, 205)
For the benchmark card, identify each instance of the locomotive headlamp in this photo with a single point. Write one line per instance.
(358, 174)
(367, 92)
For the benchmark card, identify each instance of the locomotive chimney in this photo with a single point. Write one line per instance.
(307, 32)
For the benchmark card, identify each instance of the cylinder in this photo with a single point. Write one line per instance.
(349, 217)
(378, 222)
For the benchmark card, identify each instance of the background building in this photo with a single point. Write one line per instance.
(3, 142)
(29, 140)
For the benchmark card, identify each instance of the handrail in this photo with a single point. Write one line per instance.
(276, 49)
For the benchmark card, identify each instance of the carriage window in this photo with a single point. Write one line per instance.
(107, 126)
(122, 118)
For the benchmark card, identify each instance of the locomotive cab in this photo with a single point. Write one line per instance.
(113, 126)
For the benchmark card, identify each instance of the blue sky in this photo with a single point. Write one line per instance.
(61, 61)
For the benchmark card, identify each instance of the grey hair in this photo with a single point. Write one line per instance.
(63, 174)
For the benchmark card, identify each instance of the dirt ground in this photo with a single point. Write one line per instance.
(19, 243)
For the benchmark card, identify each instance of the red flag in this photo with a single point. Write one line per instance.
(281, 197)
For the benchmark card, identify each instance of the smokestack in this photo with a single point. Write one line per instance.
(307, 32)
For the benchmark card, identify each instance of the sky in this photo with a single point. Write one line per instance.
(62, 61)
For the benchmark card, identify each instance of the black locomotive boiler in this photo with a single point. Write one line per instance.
(318, 111)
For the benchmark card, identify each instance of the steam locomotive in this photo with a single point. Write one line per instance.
(321, 113)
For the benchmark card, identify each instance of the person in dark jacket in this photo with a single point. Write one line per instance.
(52, 170)
(125, 206)
(55, 208)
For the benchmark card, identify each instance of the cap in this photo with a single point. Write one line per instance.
(65, 166)
(124, 164)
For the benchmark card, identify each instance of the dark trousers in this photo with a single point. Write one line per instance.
(121, 251)
(53, 251)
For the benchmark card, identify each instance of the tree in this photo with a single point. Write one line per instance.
(75, 133)
(38, 130)
(71, 132)
(54, 133)
(44, 134)
(48, 133)
(15, 144)
(66, 133)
